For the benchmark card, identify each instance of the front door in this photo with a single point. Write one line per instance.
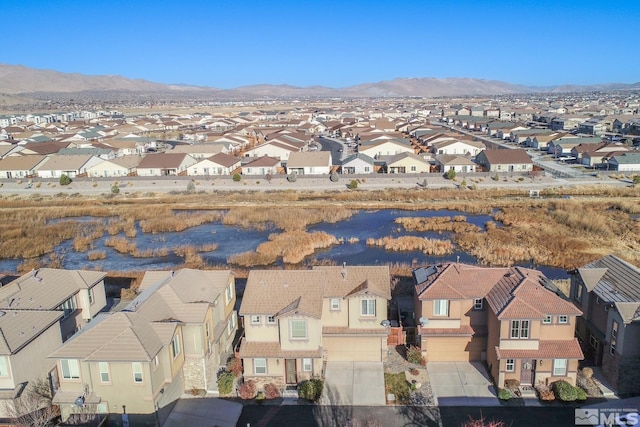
(290, 371)
(526, 371)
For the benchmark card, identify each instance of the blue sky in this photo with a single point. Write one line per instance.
(332, 43)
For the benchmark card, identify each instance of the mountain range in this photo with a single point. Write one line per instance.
(18, 80)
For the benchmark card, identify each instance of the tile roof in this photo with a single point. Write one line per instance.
(349, 280)
(345, 330)
(19, 327)
(459, 281)
(564, 349)
(272, 350)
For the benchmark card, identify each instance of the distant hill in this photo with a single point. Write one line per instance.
(48, 84)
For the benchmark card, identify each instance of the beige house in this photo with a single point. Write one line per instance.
(219, 164)
(162, 164)
(309, 163)
(12, 167)
(407, 163)
(512, 318)
(171, 338)
(375, 149)
(118, 167)
(295, 320)
(38, 311)
(465, 148)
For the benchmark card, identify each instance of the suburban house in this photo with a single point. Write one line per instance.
(296, 320)
(406, 163)
(375, 149)
(118, 167)
(200, 150)
(516, 160)
(57, 165)
(20, 166)
(171, 338)
(513, 318)
(219, 164)
(466, 148)
(625, 162)
(38, 312)
(261, 166)
(457, 163)
(309, 163)
(358, 163)
(163, 164)
(608, 293)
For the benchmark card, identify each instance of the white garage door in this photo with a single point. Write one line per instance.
(353, 349)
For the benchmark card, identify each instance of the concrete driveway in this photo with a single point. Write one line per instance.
(461, 384)
(353, 384)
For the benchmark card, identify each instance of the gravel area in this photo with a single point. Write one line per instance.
(396, 362)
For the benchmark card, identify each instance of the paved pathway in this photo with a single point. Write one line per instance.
(353, 384)
(461, 384)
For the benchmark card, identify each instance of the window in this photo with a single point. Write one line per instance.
(593, 342)
(547, 320)
(413, 168)
(612, 347)
(70, 369)
(520, 329)
(156, 361)
(271, 320)
(232, 323)
(259, 366)
(614, 329)
(175, 346)
(103, 367)
(563, 319)
(559, 367)
(4, 367)
(298, 329)
(68, 306)
(579, 292)
(510, 365)
(441, 307)
(368, 307)
(136, 368)
(478, 304)
(256, 319)
(206, 329)
(228, 295)
(335, 304)
(307, 365)
(91, 298)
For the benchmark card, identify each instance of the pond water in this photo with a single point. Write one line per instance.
(232, 240)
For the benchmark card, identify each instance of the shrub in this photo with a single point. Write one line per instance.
(482, 422)
(565, 391)
(353, 184)
(450, 174)
(504, 394)
(586, 372)
(511, 383)
(235, 367)
(414, 371)
(64, 179)
(310, 390)
(247, 390)
(495, 177)
(544, 392)
(271, 391)
(191, 186)
(225, 382)
(292, 177)
(236, 177)
(334, 177)
(114, 188)
(414, 355)
(581, 394)
(636, 179)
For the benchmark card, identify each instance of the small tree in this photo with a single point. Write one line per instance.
(191, 186)
(64, 179)
(292, 177)
(451, 174)
(236, 177)
(334, 177)
(353, 184)
(636, 179)
(33, 408)
(247, 390)
(115, 189)
(225, 382)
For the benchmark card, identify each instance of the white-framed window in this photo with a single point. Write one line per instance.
(103, 367)
(136, 369)
(4, 366)
(232, 323)
(175, 346)
(228, 294)
(563, 319)
(559, 367)
(156, 361)
(335, 304)
(256, 319)
(368, 307)
(207, 330)
(547, 320)
(519, 329)
(298, 328)
(614, 329)
(579, 292)
(259, 366)
(593, 342)
(413, 169)
(271, 320)
(441, 307)
(70, 369)
(307, 365)
(68, 306)
(478, 303)
(91, 298)
(510, 365)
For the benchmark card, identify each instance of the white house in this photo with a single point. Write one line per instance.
(20, 166)
(309, 163)
(55, 166)
(261, 166)
(358, 163)
(220, 164)
(375, 149)
(471, 148)
(118, 167)
(164, 164)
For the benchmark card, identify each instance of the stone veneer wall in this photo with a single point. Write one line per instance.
(628, 376)
(193, 370)
(262, 381)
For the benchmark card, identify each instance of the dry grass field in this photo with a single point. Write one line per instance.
(564, 228)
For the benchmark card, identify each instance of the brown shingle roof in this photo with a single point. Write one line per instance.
(506, 157)
(565, 349)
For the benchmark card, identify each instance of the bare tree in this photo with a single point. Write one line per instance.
(33, 408)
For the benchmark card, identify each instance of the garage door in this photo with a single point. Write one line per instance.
(453, 349)
(353, 349)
